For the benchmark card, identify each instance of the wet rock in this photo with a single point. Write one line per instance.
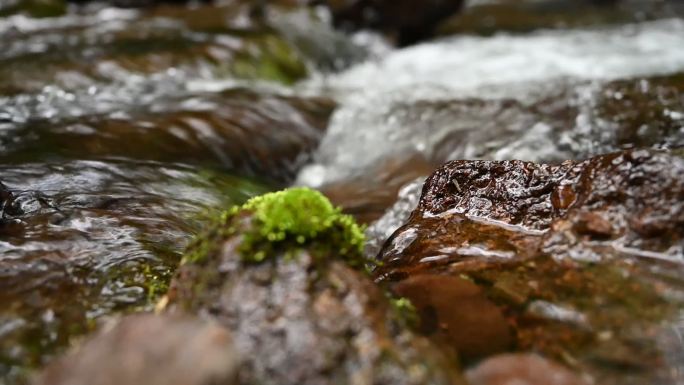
(412, 20)
(149, 350)
(521, 369)
(581, 257)
(251, 133)
(639, 113)
(299, 308)
(136, 56)
(457, 311)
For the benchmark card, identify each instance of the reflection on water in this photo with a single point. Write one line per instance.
(91, 237)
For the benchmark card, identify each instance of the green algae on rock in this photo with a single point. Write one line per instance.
(284, 221)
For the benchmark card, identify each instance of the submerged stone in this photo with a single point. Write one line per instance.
(302, 310)
(582, 258)
(256, 134)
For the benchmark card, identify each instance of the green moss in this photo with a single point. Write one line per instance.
(157, 282)
(268, 57)
(284, 222)
(206, 243)
(406, 312)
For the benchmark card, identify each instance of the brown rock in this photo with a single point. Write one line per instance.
(580, 257)
(149, 350)
(457, 310)
(521, 369)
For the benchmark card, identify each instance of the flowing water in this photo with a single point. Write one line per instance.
(120, 129)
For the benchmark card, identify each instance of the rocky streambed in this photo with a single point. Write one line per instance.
(501, 192)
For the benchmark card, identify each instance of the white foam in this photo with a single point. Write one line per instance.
(379, 115)
(465, 65)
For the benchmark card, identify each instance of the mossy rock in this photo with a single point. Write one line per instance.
(284, 273)
(284, 222)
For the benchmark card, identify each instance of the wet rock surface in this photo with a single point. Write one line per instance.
(251, 133)
(564, 251)
(304, 316)
(149, 350)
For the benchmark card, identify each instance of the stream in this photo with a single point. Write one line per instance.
(122, 129)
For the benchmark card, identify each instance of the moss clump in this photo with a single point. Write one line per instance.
(405, 311)
(284, 222)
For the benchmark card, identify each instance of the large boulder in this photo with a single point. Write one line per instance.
(285, 275)
(583, 258)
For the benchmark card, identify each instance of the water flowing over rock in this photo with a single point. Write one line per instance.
(402, 140)
(581, 257)
(517, 66)
(378, 232)
(88, 238)
(149, 350)
(251, 133)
